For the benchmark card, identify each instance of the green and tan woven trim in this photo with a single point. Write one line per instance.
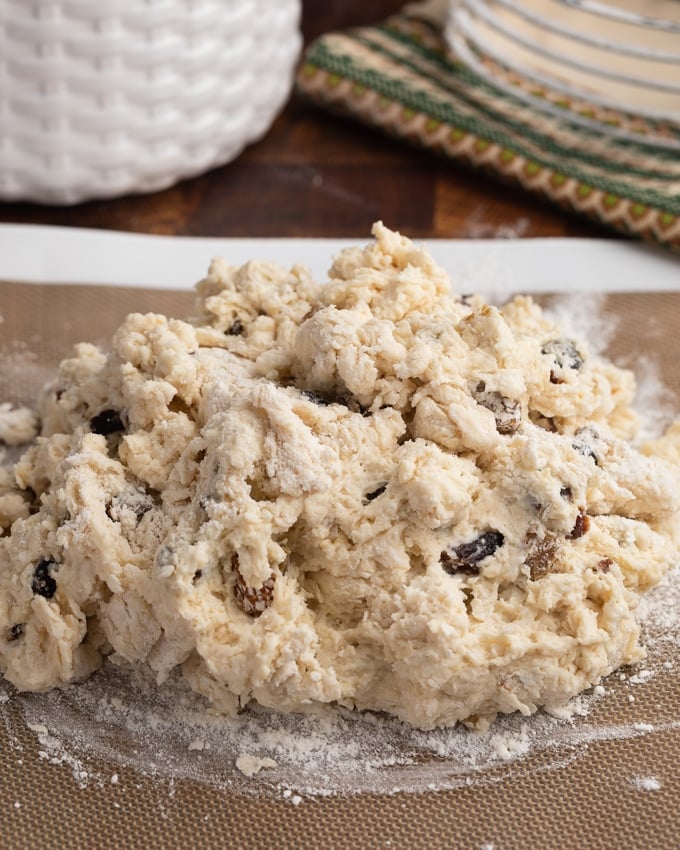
(397, 77)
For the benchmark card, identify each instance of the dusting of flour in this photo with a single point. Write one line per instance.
(123, 719)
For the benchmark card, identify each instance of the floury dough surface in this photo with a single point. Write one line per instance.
(369, 491)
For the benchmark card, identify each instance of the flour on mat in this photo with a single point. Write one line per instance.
(582, 316)
(647, 783)
(250, 765)
(120, 717)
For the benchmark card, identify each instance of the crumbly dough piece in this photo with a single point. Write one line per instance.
(18, 425)
(371, 492)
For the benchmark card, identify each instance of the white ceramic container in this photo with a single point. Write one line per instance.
(100, 98)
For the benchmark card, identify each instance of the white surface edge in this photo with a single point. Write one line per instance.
(46, 254)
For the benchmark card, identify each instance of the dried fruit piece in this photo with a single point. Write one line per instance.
(541, 556)
(346, 399)
(15, 632)
(252, 600)
(466, 557)
(375, 493)
(506, 411)
(583, 443)
(604, 565)
(235, 329)
(315, 398)
(42, 583)
(107, 422)
(581, 525)
(566, 356)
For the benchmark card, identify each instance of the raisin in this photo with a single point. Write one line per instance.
(541, 556)
(565, 355)
(375, 493)
(346, 399)
(466, 557)
(507, 413)
(252, 600)
(43, 584)
(581, 525)
(197, 576)
(604, 564)
(566, 493)
(315, 398)
(107, 422)
(235, 329)
(584, 446)
(16, 631)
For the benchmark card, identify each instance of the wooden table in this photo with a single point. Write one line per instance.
(317, 175)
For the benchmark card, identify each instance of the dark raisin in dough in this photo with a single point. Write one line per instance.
(565, 355)
(107, 422)
(16, 631)
(466, 557)
(375, 493)
(43, 584)
(506, 411)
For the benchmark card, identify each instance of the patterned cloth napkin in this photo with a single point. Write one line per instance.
(400, 77)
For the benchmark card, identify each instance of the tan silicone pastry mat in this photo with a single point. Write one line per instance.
(587, 797)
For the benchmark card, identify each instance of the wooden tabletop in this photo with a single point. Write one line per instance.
(317, 175)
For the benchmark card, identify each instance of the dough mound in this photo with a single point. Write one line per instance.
(370, 492)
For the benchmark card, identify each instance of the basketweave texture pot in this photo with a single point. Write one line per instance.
(100, 99)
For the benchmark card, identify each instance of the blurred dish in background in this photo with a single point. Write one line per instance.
(614, 66)
(101, 99)
(617, 167)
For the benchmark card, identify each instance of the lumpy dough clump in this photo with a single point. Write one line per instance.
(370, 492)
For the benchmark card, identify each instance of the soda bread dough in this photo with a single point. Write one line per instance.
(371, 492)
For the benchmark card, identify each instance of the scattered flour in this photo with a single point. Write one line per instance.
(122, 718)
(654, 403)
(582, 316)
(647, 783)
(250, 765)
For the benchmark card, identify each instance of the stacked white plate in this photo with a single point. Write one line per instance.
(622, 55)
